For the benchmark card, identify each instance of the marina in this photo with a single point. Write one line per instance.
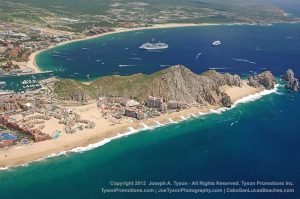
(165, 99)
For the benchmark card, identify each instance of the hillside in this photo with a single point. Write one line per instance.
(174, 83)
(76, 15)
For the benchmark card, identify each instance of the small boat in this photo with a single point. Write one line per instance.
(216, 43)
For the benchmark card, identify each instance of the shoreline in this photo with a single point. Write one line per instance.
(32, 58)
(31, 63)
(84, 141)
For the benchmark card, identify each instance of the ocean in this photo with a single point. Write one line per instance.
(245, 49)
(255, 141)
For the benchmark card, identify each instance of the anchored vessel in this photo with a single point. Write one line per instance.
(216, 43)
(154, 46)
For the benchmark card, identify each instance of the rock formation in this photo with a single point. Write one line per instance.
(265, 79)
(292, 83)
(226, 100)
(176, 83)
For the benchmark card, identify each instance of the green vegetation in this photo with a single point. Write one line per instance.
(68, 87)
(107, 86)
(77, 15)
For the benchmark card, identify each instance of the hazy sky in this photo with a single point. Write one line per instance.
(290, 6)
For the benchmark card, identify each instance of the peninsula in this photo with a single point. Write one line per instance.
(66, 114)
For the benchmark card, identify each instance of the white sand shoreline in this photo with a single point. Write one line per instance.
(84, 141)
(32, 58)
(97, 137)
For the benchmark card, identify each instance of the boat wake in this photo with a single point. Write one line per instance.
(63, 56)
(218, 68)
(243, 60)
(197, 56)
(136, 58)
(123, 66)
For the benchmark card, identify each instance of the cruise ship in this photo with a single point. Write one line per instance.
(154, 46)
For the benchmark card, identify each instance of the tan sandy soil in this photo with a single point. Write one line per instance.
(104, 129)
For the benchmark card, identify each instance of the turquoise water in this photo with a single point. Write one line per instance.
(254, 141)
(15, 82)
(245, 49)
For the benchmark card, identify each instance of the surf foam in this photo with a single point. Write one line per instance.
(131, 130)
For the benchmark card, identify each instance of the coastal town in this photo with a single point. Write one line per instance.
(18, 42)
(38, 115)
(149, 99)
(53, 109)
(41, 114)
(25, 29)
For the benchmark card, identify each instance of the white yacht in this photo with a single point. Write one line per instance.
(216, 43)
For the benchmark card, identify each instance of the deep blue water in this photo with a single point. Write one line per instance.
(254, 141)
(244, 49)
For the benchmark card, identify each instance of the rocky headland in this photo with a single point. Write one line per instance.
(174, 83)
(265, 79)
(110, 105)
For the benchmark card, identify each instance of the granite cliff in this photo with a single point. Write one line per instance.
(174, 83)
(265, 79)
(292, 83)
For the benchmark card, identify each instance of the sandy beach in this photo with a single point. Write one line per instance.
(32, 58)
(104, 129)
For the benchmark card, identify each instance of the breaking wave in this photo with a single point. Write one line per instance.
(145, 127)
(249, 98)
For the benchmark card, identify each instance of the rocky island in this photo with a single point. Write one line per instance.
(292, 83)
(76, 114)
